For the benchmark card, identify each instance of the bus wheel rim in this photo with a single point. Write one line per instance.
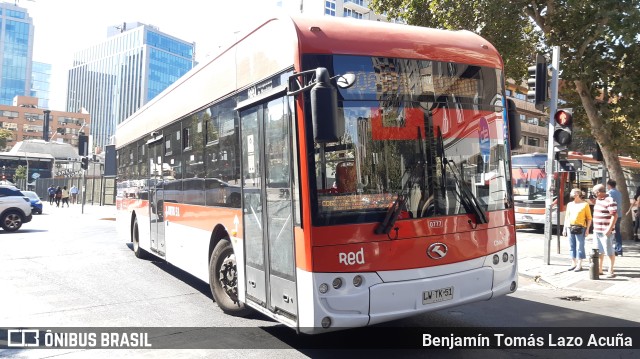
(229, 277)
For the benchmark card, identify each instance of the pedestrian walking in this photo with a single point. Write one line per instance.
(74, 194)
(58, 196)
(52, 194)
(605, 214)
(617, 197)
(577, 221)
(65, 196)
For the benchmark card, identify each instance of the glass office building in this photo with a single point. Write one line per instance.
(16, 51)
(113, 79)
(41, 83)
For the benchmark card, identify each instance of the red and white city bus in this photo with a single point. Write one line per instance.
(371, 161)
(530, 180)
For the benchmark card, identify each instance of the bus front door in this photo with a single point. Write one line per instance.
(267, 214)
(156, 197)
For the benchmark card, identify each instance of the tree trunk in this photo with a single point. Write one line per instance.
(603, 137)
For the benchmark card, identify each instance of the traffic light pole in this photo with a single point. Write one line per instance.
(83, 189)
(553, 106)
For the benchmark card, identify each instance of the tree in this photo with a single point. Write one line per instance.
(600, 57)
(21, 173)
(4, 136)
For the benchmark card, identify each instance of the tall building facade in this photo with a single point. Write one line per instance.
(16, 52)
(358, 9)
(114, 78)
(41, 83)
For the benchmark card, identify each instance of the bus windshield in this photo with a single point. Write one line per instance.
(430, 132)
(529, 178)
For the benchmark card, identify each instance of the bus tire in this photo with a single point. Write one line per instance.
(135, 238)
(223, 279)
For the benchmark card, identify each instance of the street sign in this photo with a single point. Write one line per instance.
(577, 164)
(566, 166)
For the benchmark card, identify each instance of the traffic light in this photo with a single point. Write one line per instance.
(563, 129)
(83, 145)
(538, 82)
(85, 163)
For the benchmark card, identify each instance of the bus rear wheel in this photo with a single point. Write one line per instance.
(223, 279)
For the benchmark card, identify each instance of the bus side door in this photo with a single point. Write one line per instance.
(268, 215)
(156, 196)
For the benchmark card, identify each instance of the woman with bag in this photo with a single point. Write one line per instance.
(577, 221)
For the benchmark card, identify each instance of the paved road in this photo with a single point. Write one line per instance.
(67, 269)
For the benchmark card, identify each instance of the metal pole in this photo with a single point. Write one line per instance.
(560, 184)
(93, 183)
(553, 104)
(83, 189)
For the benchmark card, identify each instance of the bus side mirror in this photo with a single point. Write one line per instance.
(515, 135)
(327, 125)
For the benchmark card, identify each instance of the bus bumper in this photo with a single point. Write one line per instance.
(386, 296)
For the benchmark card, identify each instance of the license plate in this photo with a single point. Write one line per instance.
(438, 295)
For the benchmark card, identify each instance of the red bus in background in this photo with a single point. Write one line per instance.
(530, 180)
(372, 161)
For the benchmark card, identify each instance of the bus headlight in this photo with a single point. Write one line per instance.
(357, 281)
(505, 257)
(496, 259)
(324, 287)
(337, 283)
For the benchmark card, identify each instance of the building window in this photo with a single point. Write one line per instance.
(351, 13)
(533, 141)
(358, 2)
(330, 8)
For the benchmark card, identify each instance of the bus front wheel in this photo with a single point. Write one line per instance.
(223, 279)
(135, 237)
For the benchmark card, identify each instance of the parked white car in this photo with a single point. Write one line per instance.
(15, 208)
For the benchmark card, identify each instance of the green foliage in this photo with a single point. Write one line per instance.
(4, 136)
(21, 173)
(517, 37)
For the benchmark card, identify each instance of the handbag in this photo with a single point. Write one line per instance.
(576, 229)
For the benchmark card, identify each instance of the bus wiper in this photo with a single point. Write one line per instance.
(392, 215)
(467, 198)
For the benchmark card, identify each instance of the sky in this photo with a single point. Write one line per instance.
(63, 27)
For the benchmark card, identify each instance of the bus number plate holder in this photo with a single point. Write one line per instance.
(438, 295)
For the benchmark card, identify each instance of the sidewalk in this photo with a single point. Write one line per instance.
(532, 263)
(93, 211)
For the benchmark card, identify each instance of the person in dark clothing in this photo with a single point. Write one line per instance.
(52, 194)
(58, 196)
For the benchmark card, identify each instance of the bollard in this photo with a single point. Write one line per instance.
(594, 267)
